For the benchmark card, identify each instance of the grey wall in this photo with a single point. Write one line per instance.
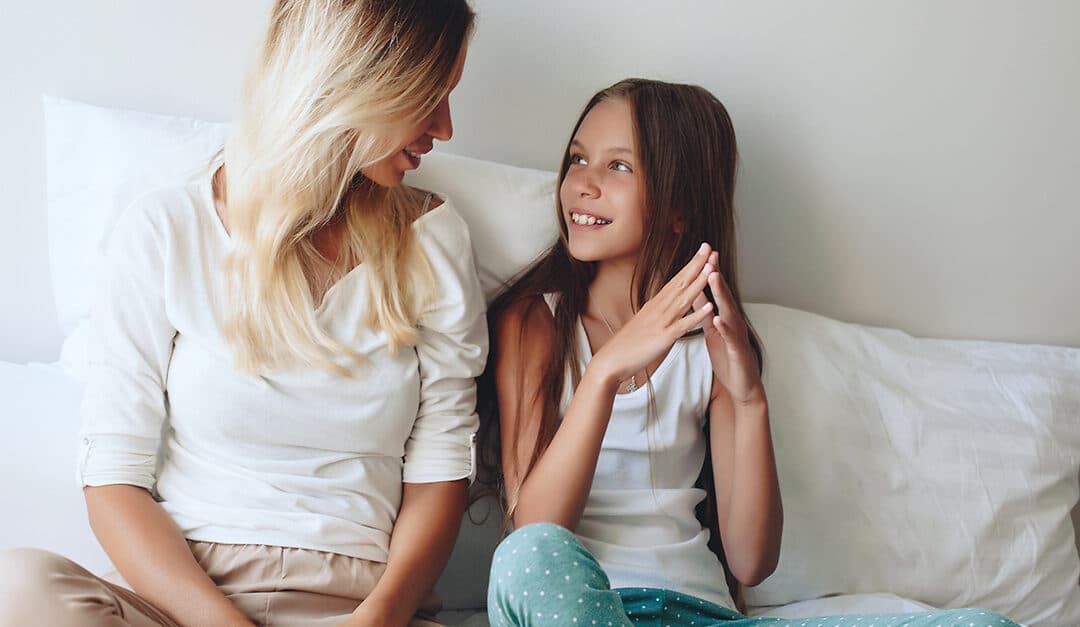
(905, 163)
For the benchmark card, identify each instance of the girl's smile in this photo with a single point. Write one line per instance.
(584, 220)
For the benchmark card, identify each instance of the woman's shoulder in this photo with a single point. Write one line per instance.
(442, 224)
(162, 213)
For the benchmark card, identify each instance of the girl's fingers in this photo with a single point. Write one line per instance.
(693, 319)
(677, 297)
(689, 295)
(725, 302)
(738, 346)
(689, 272)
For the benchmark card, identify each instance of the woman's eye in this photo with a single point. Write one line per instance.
(621, 167)
(577, 160)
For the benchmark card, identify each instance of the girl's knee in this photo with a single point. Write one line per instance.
(535, 542)
(978, 617)
(988, 618)
(542, 566)
(524, 556)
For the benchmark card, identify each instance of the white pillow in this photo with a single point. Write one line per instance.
(941, 471)
(510, 211)
(98, 160)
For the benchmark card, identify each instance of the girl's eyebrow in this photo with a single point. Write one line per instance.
(617, 149)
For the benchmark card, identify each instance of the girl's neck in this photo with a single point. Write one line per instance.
(611, 292)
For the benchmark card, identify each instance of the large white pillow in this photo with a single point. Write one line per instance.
(510, 211)
(941, 471)
(100, 159)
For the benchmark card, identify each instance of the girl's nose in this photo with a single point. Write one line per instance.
(580, 182)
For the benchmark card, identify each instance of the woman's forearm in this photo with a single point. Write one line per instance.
(146, 547)
(420, 545)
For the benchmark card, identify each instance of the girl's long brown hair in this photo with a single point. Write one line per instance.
(686, 151)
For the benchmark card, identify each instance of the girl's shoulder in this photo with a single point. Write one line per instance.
(526, 323)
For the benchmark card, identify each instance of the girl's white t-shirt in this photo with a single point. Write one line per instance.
(298, 457)
(639, 519)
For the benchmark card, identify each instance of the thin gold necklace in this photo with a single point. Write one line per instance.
(631, 386)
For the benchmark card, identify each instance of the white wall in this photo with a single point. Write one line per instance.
(170, 57)
(905, 163)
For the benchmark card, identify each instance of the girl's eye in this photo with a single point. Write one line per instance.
(577, 160)
(621, 167)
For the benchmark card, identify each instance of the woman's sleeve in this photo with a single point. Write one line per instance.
(452, 351)
(130, 346)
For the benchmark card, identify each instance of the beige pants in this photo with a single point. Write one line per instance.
(274, 586)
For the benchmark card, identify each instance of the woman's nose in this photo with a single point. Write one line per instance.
(441, 126)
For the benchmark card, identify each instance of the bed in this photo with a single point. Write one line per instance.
(915, 472)
(46, 508)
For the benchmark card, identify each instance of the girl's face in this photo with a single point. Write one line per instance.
(603, 193)
(437, 125)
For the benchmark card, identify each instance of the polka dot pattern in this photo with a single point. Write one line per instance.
(574, 590)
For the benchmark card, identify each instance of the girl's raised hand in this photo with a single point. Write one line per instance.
(727, 337)
(663, 319)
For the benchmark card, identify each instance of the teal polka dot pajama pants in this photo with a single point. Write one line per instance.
(542, 575)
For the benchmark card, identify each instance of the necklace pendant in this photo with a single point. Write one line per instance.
(632, 385)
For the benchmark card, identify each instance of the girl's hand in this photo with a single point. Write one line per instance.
(727, 337)
(662, 320)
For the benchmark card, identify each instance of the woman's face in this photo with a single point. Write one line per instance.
(391, 170)
(603, 192)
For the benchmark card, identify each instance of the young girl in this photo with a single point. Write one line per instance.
(297, 334)
(615, 410)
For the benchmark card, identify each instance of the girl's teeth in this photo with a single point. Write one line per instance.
(587, 220)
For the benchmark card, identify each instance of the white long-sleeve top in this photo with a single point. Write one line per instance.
(299, 457)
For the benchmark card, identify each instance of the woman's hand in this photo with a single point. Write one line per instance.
(663, 319)
(727, 337)
(368, 616)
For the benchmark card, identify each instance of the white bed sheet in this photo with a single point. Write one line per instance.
(39, 410)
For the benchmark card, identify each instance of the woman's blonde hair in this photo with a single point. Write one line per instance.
(336, 87)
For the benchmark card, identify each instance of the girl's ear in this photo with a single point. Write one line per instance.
(679, 225)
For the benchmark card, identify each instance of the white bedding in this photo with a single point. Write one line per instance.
(41, 419)
(42, 501)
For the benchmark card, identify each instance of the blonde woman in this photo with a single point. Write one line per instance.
(279, 425)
